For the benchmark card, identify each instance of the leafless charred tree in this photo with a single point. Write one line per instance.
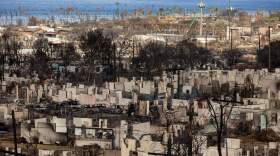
(198, 142)
(220, 116)
(32, 21)
(189, 142)
(220, 106)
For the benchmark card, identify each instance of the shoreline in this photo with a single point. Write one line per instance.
(73, 12)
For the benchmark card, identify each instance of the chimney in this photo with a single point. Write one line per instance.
(248, 153)
(238, 99)
(256, 150)
(27, 95)
(4, 86)
(265, 150)
(147, 107)
(17, 97)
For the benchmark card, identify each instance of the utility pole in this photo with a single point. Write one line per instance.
(206, 38)
(259, 42)
(5, 37)
(206, 33)
(229, 12)
(179, 89)
(133, 47)
(230, 39)
(2, 64)
(14, 132)
(201, 5)
(229, 22)
(269, 50)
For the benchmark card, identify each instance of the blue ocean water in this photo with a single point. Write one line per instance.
(47, 8)
(35, 7)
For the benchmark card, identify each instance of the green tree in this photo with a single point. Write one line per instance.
(69, 54)
(189, 55)
(40, 59)
(263, 55)
(99, 50)
(151, 59)
(156, 57)
(232, 56)
(10, 47)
